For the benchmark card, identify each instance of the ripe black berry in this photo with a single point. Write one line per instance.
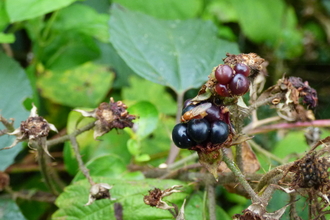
(239, 85)
(180, 136)
(198, 129)
(222, 90)
(241, 68)
(223, 74)
(219, 132)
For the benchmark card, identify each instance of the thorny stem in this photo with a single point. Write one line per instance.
(268, 128)
(241, 178)
(49, 174)
(82, 166)
(174, 151)
(211, 202)
(67, 137)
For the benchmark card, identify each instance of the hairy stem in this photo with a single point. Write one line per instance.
(241, 178)
(174, 151)
(49, 175)
(9, 125)
(67, 137)
(82, 166)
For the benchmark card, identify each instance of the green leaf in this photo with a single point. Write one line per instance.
(14, 89)
(128, 193)
(4, 19)
(7, 38)
(109, 56)
(86, 85)
(165, 9)
(106, 166)
(262, 20)
(19, 10)
(154, 93)
(148, 118)
(67, 51)
(291, 145)
(92, 23)
(178, 54)
(9, 210)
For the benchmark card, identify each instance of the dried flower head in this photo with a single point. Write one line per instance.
(109, 115)
(257, 211)
(99, 191)
(156, 195)
(34, 130)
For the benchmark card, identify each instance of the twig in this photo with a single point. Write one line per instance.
(241, 178)
(181, 162)
(268, 128)
(50, 176)
(174, 173)
(32, 195)
(174, 151)
(67, 137)
(262, 102)
(211, 202)
(258, 123)
(82, 166)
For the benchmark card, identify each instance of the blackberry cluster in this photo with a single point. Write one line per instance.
(232, 81)
(201, 124)
(312, 172)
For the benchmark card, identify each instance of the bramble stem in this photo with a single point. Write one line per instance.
(67, 137)
(82, 166)
(241, 178)
(50, 176)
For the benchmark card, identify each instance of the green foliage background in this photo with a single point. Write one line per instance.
(68, 54)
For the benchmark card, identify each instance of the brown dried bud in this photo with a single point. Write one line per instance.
(155, 196)
(109, 115)
(34, 127)
(99, 191)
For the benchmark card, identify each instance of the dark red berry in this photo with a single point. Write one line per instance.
(222, 90)
(198, 129)
(180, 136)
(213, 113)
(243, 69)
(239, 85)
(219, 132)
(223, 74)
